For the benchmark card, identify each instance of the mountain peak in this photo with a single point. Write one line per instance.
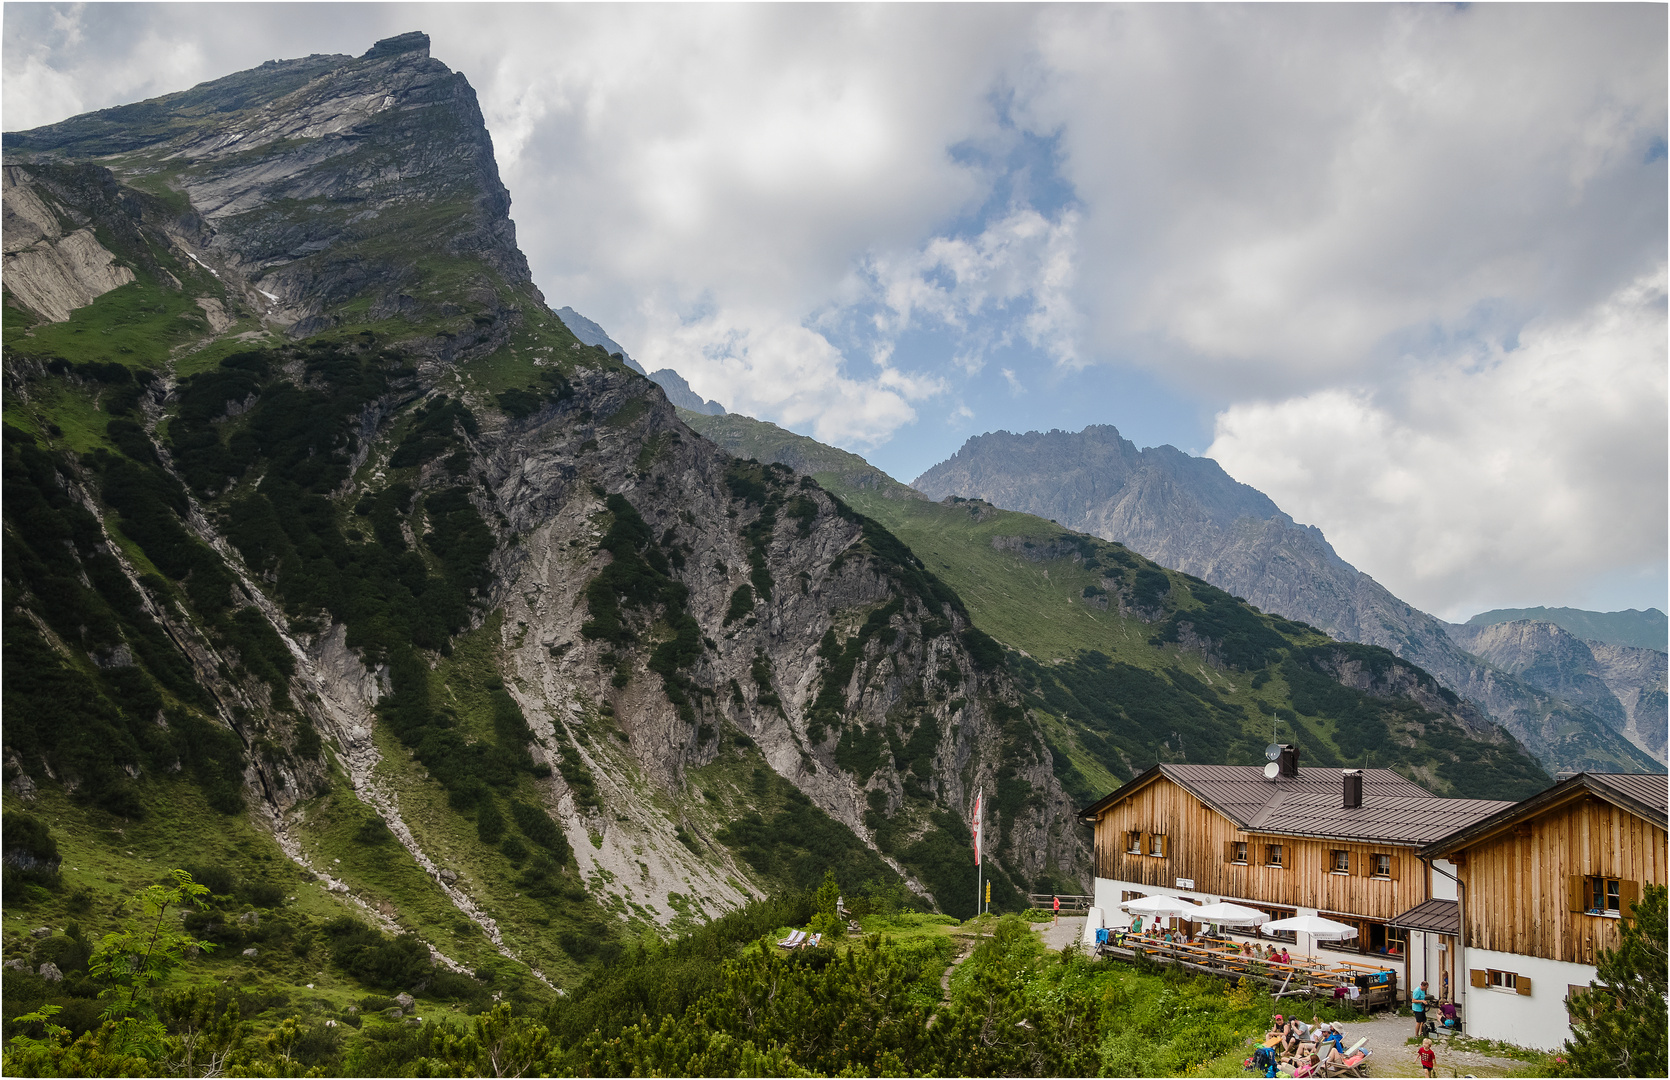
(415, 41)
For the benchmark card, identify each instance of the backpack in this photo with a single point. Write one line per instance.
(1264, 1058)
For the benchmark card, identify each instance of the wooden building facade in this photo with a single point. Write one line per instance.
(1316, 841)
(1544, 887)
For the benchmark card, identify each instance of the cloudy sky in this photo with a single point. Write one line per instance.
(1401, 268)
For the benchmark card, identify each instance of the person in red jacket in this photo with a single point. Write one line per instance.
(1429, 1060)
(1056, 919)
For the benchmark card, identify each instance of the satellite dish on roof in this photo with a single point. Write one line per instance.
(1272, 752)
(1271, 770)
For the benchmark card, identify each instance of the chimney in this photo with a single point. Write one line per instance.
(1289, 761)
(1353, 788)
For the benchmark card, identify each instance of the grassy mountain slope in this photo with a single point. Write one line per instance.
(1130, 663)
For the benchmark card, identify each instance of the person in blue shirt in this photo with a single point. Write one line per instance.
(1417, 1005)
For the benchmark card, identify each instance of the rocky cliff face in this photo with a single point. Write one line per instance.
(312, 183)
(1622, 684)
(1187, 513)
(386, 523)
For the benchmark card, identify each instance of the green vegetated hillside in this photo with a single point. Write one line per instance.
(1129, 663)
(443, 659)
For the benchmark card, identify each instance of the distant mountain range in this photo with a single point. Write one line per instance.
(671, 382)
(1186, 513)
(1648, 629)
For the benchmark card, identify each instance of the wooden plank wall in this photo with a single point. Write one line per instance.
(1196, 850)
(1517, 880)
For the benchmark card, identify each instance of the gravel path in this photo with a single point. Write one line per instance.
(1388, 1036)
(1068, 930)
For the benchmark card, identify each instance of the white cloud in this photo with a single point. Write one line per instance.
(1322, 206)
(1273, 193)
(1022, 260)
(1489, 478)
(756, 364)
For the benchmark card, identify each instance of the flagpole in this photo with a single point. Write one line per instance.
(979, 884)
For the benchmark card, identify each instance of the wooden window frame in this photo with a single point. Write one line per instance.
(1239, 852)
(1378, 858)
(1274, 854)
(1594, 895)
(1503, 982)
(1337, 856)
(1159, 846)
(1133, 842)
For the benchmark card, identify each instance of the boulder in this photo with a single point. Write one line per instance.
(15, 964)
(448, 876)
(405, 1001)
(41, 932)
(250, 953)
(392, 1014)
(249, 918)
(50, 972)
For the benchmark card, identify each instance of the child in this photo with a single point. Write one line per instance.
(1429, 1061)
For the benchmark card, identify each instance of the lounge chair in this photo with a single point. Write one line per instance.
(811, 942)
(1351, 1066)
(793, 940)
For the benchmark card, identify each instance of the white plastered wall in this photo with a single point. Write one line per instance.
(1537, 1020)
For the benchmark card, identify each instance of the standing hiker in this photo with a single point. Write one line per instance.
(1056, 920)
(1417, 1005)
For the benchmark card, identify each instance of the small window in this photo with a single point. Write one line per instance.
(1133, 843)
(1273, 855)
(1605, 896)
(1157, 844)
(1342, 861)
(1382, 865)
(1502, 980)
(1239, 851)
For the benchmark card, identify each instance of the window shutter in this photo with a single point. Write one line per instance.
(1147, 844)
(1360, 863)
(1628, 893)
(1392, 870)
(1523, 985)
(1576, 886)
(1229, 851)
(1165, 846)
(1478, 978)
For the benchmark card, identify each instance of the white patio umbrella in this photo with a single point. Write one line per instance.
(1226, 914)
(1160, 905)
(1316, 926)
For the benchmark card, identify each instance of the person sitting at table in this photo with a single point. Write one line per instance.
(1284, 958)
(1136, 925)
(1246, 948)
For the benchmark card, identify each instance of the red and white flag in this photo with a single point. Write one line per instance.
(977, 824)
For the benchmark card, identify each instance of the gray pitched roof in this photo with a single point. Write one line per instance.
(1642, 794)
(1394, 810)
(1648, 789)
(1431, 916)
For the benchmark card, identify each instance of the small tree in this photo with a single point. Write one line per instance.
(135, 958)
(1618, 1026)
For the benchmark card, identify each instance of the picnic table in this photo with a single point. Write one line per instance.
(1301, 975)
